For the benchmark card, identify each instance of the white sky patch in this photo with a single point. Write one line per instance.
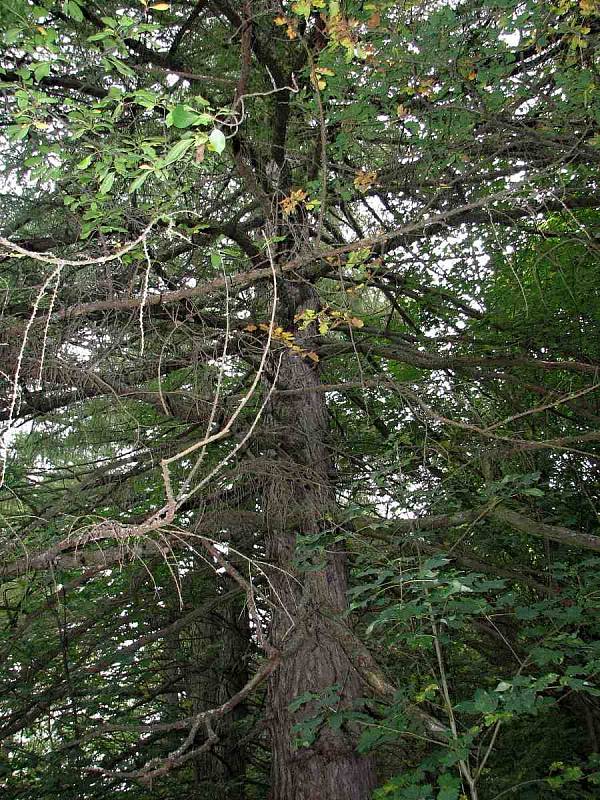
(511, 39)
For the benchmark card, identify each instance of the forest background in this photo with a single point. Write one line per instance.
(299, 372)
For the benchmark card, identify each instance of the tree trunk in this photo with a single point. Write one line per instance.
(329, 767)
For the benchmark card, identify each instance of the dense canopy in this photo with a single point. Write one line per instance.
(299, 399)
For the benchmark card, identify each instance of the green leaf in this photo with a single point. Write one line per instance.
(23, 100)
(85, 162)
(139, 181)
(177, 151)
(204, 119)
(73, 10)
(449, 787)
(302, 8)
(122, 68)
(145, 98)
(217, 140)
(17, 132)
(181, 117)
(41, 71)
(301, 700)
(484, 701)
(12, 35)
(107, 183)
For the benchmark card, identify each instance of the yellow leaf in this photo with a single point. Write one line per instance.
(364, 180)
(280, 21)
(289, 203)
(357, 323)
(313, 356)
(161, 6)
(251, 327)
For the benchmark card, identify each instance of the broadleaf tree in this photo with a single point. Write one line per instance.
(299, 393)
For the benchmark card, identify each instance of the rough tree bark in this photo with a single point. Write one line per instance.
(303, 487)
